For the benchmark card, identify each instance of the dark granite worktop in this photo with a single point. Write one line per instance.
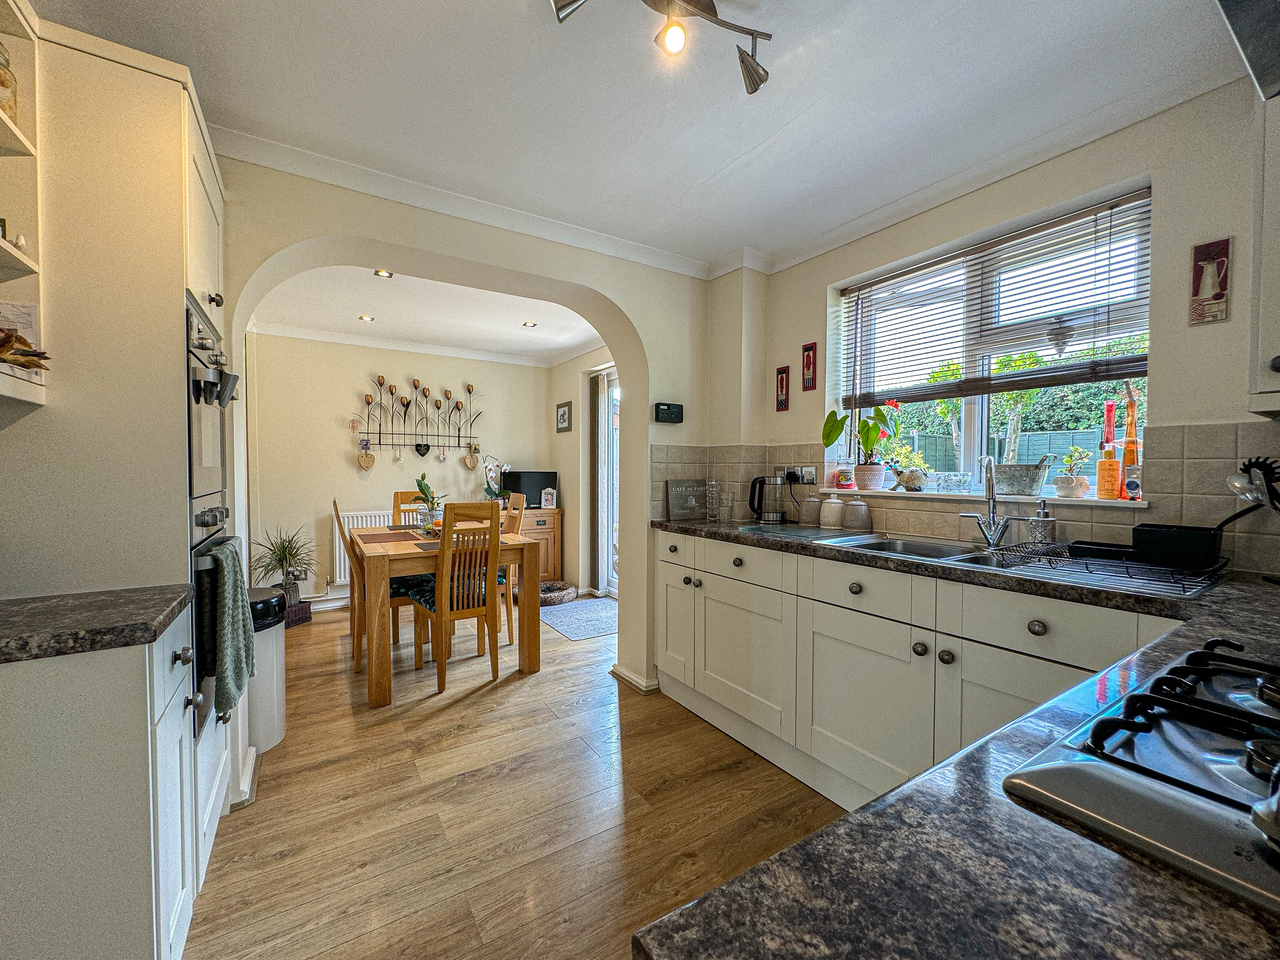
(790, 539)
(947, 867)
(36, 627)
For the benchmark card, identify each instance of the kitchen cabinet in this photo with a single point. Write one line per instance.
(745, 651)
(1264, 380)
(545, 527)
(175, 818)
(865, 695)
(212, 776)
(204, 223)
(673, 625)
(981, 688)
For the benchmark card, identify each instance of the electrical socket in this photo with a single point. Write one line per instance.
(809, 474)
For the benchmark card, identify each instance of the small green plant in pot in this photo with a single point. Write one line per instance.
(292, 554)
(877, 429)
(1069, 483)
(432, 501)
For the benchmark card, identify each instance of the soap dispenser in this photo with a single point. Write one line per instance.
(1043, 527)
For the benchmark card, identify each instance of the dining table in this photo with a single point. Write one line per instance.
(386, 552)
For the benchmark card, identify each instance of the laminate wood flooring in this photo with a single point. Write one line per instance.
(546, 816)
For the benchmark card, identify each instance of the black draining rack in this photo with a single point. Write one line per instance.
(1055, 561)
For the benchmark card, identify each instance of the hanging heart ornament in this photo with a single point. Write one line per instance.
(365, 459)
(422, 449)
(471, 461)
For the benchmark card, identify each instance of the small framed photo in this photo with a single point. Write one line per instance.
(549, 498)
(782, 401)
(1210, 279)
(687, 499)
(564, 416)
(809, 366)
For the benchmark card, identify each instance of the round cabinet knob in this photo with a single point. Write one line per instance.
(1275, 364)
(224, 717)
(215, 299)
(737, 561)
(1037, 628)
(697, 583)
(946, 657)
(687, 581)
(197, 701)
(673, 549)
(855, 588)
(186, 656)
(920, 649)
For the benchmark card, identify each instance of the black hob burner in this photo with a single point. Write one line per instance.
(1186, 769)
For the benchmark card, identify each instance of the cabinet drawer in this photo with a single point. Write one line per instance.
(168, 674)
(764, 568)
(1077, 634)
(675, 548)
(882, 593)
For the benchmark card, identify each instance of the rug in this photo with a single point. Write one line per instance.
(583, 619)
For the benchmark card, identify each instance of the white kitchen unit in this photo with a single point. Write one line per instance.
(855, 679)
(99, 802)
(1264, 374)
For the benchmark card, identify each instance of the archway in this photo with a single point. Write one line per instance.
(635, 659)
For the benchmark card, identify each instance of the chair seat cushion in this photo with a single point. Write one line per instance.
(404, 586)
(424, 594)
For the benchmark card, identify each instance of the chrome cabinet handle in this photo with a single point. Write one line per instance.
(187, 656)
(688, 580)
(946, 657)
(737, 561)
(224, 717)
(197, 701)
(215, 299)
(673, 548)
(855, 588)
(697, 583)
(920, 649)
(1037, 628)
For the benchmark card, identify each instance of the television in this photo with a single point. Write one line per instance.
(531, 483)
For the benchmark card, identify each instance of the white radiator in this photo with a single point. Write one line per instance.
(370, 518)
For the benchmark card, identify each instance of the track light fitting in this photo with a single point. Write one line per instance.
(673, 37)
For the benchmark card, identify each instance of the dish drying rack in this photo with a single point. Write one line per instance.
(1056, 561)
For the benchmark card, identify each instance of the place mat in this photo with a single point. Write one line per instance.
(388, 537)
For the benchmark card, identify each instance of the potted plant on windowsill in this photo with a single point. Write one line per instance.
(1070, 484)
(290, 553)
(880, 426)
(432, 511)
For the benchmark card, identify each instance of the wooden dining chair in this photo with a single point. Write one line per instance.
(400, 587)
(468, 586)
(403, 509)
(507, 575)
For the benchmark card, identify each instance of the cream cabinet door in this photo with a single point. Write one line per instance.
(745, 651)
(865, 695)
(983, 688)
(175, 830)
(213, 770)
(204, 226)
(673, 620)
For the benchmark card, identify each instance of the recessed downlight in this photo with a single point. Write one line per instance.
(529, 323)
(384, 274)
(366, 318)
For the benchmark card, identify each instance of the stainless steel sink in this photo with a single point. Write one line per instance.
(907, 548)
(984, 560)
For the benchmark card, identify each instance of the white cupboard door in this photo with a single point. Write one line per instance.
(1266, 347)
(865, 695)
(204, 225)
(175, 825)
(745, 651)
(983, 688)
(673, 623)
(213, 770)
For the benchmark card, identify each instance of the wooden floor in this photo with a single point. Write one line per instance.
(545, 816)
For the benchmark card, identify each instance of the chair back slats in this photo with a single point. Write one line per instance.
(515, 513)
(470, 556)
(403, 509)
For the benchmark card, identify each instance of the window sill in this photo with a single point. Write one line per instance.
(968, 497)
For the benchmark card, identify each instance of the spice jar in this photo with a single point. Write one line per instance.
(8, 87)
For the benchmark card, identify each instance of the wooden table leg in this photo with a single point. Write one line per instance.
(530, 618)
(377, 604)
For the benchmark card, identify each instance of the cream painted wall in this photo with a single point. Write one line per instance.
(571, 456)
(300, 395)
(1199, 157)
(738, 352)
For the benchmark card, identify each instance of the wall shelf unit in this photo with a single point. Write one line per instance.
(15, 388)
(14, 263)
(13, 142)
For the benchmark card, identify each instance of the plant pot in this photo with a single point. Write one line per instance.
(1020, 479)
(869, 476)
(1071, 488)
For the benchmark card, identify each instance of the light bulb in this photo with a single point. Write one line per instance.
(672, 38)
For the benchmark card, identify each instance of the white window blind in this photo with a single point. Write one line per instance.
(1064, 302)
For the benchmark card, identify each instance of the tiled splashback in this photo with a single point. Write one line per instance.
(1183, 478)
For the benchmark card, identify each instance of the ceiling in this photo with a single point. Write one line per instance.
(586, 132)
(424, 316)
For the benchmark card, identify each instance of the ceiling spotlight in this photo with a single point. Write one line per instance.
(384, 274)
(671, 38)
(566, 8)
(528, 323)
(366, 318)
(753, 75)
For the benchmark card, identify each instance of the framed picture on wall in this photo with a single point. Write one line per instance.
(564, 416)
(1210, 278)
(809, 366)
(782, 401)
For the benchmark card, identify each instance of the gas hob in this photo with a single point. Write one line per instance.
(1186, 769)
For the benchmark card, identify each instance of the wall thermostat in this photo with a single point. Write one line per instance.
(668, 413)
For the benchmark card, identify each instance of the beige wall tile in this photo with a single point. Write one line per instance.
(1161, 476)
(1069, 530)
(1254, 552)
(1207, 511)
(1206, 477)
(1111, 533)
(1210, 441)
(1163, 443)
(657, 453)
(1165, 508)
(1259, 438)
